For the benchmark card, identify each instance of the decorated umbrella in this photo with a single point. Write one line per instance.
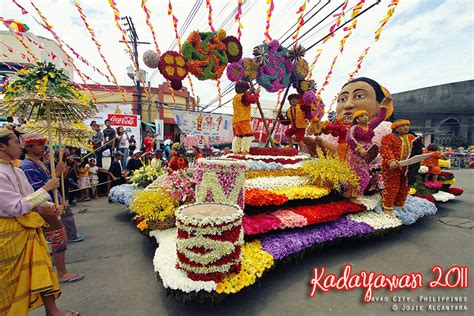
(17, 26)
(46, 93)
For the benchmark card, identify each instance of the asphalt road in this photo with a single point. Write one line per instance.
(117, 262)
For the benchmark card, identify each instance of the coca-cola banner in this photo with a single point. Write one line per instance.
(207, 128)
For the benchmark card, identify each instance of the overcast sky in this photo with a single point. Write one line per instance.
(427, 42)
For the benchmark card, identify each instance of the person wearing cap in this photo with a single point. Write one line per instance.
(38, 174)
(243, 134)
(116, 171)
(395, 147)
(296, 118)
(134, 163)
(157, 159)
(28, 280)
(359, 140)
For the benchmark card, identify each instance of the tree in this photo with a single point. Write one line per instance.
(459, 141)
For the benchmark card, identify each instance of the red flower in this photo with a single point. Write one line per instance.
(290, 152)
(257, 197)
(427, 197)
(456, 191)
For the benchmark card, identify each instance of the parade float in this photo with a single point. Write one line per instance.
(224, 223)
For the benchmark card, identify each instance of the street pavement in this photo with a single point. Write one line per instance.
(117, 262)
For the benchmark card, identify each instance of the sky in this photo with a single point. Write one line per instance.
(426, 43)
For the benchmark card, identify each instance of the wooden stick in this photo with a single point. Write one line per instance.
(270, 136)
(267, 129)
(51, 153)
(98, 148)
(61, 155)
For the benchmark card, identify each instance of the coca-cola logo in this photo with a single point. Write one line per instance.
(122, 120)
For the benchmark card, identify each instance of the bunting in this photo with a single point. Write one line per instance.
(209, 16)
(20, 37)
(269, 17)
(118, 18)
(336, 24)
(178, 39)
(313, 63)
(98, 46)
(219, 92)
(23, 11)
(150, 25)
(49, 27)
(300, 21)
(391, 9)
(237, 19)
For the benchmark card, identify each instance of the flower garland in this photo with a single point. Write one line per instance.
(261, 165)
(274, 173)
(154, 205)
(254, 197)
(330, 169)
(290, 152)
(303, 192)
(282, 160)
(144, 176)
(208, 247)
(271, 183)
(254, 262)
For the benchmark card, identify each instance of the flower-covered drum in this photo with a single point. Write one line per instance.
(209, 240)
(220, 181)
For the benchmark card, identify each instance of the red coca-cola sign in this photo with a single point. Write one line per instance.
(122, 119)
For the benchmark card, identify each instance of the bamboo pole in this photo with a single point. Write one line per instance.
(267, 129)
(51, 153)
(270, 136)
(61, 155)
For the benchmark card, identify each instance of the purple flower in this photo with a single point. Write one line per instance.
(235, 72)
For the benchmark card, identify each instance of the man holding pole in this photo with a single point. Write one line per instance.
(243, 134)
(38, 175)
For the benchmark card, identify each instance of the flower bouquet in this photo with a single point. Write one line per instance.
(145, 176)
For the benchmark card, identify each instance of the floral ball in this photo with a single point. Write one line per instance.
(173, 67)
(235, 72)
(233, 48)
(151, 59)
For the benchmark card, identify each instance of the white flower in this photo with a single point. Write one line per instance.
(376, 220)
(276, 183)
(371, 202)
(423, 169)
(442, 196)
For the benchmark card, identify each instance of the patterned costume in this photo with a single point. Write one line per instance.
(432, 162)
(243, 134)
(26, 268)
(296, 115)
(358, 138)
(395, 147)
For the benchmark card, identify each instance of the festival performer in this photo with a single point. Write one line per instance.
(369, 97)
(243, 134)
(432, 162)
(38, 175)
(296, 117)
(394, 148)
(27, 278)
(359, 139)
(339, 129)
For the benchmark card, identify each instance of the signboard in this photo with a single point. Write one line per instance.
(160, 129)
(260, 134)
(199, 127)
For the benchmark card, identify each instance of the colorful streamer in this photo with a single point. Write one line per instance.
(359, 63)
(99, 48)
(49, 27)
(219, 91)
(333, 27)
(209, 17)
(313, 63)
(150, 25)
(300, 21)
(237, 19)
(269, 17)
(23, 11)
(118, 18)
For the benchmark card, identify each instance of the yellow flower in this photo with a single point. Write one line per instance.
(154, 205)
(142, 225)
(303, 192)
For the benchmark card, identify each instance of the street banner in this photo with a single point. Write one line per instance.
(160, 129)
(260, 134)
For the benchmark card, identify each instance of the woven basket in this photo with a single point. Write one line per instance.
(162, 225)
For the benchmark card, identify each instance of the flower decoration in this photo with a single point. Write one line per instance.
(414, 209)
(250, 69)
(330, 169)
(156, 206)
(177, 163)
(427, 197)
(433, 185)
(181, 185)
(151, 59)
(332, 116)
(302, 86)
(296, 53)
(233, 49)
(303, 192)
(275, 69)
(145, 176)
(123, 194)
(455, 191)
(254, 262)
(376, 220)
(235, 72)
(442, 196)
(283, 182)
(208, 247)
(301, 70)
(206, 54)
(291, 152)
(173, 67)
(256, 197)
(274, 173)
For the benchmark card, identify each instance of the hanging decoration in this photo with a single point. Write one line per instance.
(17, 26)
(205, 54)
(237, 19)
(151, 59)
(150, 25)
(269, 17)
(19, 37)
(300, 21)
(209, 16)
(99, 47)
(23, 11)
(336, 24)
(118, 18)
(313, 63)
(391, 9)
(173, 67)
(275, 69)
(233, 49)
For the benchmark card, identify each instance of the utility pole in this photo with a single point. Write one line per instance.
(133, 38)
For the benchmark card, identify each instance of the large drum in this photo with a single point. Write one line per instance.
(220, 181)
(209, 240)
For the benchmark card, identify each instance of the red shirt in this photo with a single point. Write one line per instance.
(148, 142)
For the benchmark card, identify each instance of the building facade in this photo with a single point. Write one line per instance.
(439, 113)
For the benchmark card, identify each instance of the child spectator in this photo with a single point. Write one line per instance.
(84, 181)
(94, 177)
